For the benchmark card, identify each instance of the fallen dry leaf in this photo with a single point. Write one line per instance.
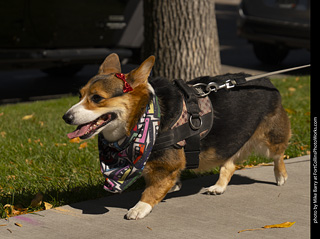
(18, 224)
(27, 117)
(8, 209)
(290, 111)
(47, 178)
(303, 147)
(75, 140)
(60, 144)
(3, 134)
(47, 206)
(11, 177)
(19, 210)
(281, 225)
(83, 145)
(255, 229)
(291, 89)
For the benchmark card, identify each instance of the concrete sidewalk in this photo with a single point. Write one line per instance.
(252, 200)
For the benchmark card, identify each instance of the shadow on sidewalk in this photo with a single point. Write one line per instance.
(129, 199)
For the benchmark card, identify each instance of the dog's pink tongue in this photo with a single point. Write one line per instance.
(79, 131)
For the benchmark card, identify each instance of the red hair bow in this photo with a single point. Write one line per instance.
(127, 87)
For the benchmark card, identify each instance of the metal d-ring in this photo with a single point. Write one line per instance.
(192, 125)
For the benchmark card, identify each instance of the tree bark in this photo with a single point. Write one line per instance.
(182, 34)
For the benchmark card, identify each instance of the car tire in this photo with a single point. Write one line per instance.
(269, 53)
(65, 71)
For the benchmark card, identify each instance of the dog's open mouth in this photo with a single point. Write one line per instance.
(85, 131)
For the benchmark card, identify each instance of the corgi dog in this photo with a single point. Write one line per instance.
(247, 118)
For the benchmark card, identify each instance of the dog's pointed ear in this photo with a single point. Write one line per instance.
(140, 75)
(110, 65)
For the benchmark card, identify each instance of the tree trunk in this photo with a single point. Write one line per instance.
(182, 34)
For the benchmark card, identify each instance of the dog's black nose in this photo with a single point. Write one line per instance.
(68, 118)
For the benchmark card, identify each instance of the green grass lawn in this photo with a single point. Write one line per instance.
(36, 155)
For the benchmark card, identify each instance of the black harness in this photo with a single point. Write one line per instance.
(196, 124)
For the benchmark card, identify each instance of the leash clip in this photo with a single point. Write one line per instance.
(205, 89)
(230, 84)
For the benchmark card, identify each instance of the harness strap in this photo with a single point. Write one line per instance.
(171, 137)
(191, 99)
(196, 127)
(192, 151)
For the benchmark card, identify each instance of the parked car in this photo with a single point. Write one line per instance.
(61, 36)
(274, 27)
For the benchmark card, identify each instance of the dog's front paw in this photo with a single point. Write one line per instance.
(281, 179)
(215, 190)
(139, 211)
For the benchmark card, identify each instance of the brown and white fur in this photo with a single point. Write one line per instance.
(238, 128)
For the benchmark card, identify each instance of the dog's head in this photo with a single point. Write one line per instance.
(111, 102)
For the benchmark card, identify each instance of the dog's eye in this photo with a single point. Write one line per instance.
(96, 98)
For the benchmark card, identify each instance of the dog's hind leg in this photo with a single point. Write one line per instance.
(278, 137)
(272, 137)
(227, 168)
(160, 175)
(280, 171)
